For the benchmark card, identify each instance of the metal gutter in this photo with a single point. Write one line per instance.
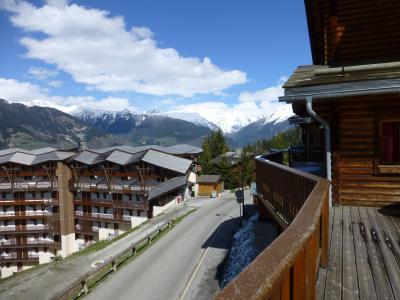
(342, 93)
(327, 132)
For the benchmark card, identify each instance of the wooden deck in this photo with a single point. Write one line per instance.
(364, 256)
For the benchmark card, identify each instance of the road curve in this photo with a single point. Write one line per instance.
(163, 271)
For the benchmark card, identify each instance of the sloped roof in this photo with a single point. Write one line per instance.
(168, 186)
(179, 149)
(167, 161)
(28, 158)
(209, 179)
(322, 81)
(185, 149)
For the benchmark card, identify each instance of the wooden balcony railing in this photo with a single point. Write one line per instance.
(288, 267)
(305, 154)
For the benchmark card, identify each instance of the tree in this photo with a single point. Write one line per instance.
(291, 137)
(217, 144)
(205, 158)
(213, 146)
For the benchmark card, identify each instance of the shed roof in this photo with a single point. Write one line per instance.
(168, 186)
(209, 179)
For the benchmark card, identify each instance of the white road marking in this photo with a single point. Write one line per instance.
(97, 262)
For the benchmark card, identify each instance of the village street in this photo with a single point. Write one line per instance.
(183, 264)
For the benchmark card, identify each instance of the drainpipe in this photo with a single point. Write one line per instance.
(327, 131)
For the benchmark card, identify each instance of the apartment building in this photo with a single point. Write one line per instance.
(32, 206)
(54, 203)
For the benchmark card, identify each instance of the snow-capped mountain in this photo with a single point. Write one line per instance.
(231, 121)
(146, 128)
(194, 118)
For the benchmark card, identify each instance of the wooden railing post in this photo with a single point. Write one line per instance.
(325, 232)
(312, 266)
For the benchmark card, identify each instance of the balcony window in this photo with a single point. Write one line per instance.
(116, 196)
(390, 143)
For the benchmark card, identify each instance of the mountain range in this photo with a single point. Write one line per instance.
(36, 126)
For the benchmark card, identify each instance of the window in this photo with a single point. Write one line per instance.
(390, 142)
(137, 198)
(33, 195)
(117, 197)
(130, 197)
(42, 194)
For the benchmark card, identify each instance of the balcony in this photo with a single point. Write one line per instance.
(14, 258)
(86, 229)
(307, 159)
(130, 204)
(12, 215)
(95, 202)
(94, 216)
(28, 201)
(27, 186)
(25, 229)
(363, 244)
(93, 187)
(29, 244)
(288, 267)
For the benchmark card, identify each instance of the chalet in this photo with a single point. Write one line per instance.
(348, 106)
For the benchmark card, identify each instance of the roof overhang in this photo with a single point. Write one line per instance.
(341, 90)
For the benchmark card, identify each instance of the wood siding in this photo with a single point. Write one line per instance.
(354, 150)
(205, 189)
(348, 32)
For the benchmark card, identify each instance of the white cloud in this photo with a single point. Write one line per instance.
(31, 94)
(268, 94)
(98, 50)
(54, 83)
(42, 73)
(250, 107)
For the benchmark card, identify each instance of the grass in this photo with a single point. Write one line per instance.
(129, 257)
(104, 243)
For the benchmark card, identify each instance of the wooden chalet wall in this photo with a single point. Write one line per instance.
(354, 31)
(354, 139)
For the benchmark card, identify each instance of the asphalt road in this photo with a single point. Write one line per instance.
(175, 267)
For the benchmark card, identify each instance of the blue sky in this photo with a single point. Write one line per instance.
(224, 59)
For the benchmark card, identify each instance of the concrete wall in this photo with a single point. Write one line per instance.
(45, 257)
(104, 233)
(136, 221)
(160, 209)
(68, 244)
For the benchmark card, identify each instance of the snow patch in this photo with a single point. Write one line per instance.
(242, 251)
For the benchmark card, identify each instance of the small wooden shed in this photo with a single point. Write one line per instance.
(209, 183)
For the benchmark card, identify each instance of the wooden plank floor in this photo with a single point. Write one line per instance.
(364, 256)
